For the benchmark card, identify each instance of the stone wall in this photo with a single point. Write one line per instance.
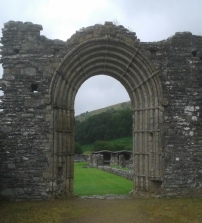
(26, 154)
(95, 160)
(112, 158)
(27, 157)
(80, 158)
(179, 57)
(128, 174)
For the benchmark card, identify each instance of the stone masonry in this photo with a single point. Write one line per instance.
(40, 81)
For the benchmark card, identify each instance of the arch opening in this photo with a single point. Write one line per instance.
(99, 91)
(106, 98)
(132, 69)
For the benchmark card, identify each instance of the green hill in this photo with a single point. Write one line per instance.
(85, 115)
(107, 128)
(107, 125)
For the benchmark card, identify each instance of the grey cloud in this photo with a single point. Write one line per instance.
(99, 91)
(152, 20)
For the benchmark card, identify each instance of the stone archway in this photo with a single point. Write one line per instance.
(119, 56)
(41, 78)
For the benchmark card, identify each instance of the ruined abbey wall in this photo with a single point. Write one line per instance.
(180, 59)
(29, 62)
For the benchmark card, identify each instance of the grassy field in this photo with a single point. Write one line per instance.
(91, 181)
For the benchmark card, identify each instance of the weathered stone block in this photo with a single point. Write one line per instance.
(28, 71)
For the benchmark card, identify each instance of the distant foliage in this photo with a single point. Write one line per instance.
(77, 148)
(108, 125)
(104, 145)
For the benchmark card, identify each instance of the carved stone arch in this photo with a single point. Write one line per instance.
(37, 124)
(120, 57)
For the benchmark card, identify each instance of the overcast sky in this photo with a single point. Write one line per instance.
(152, 20)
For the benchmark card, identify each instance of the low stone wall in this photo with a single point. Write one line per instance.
(128, 174)
(80, 158)
(95, 160)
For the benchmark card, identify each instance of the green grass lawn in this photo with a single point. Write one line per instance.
(91, 181)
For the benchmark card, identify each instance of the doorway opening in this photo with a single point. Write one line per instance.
(124, 61)
(103, 131)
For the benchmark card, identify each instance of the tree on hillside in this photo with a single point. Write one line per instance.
(104, 126)
(77, 149)
(103, 145)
